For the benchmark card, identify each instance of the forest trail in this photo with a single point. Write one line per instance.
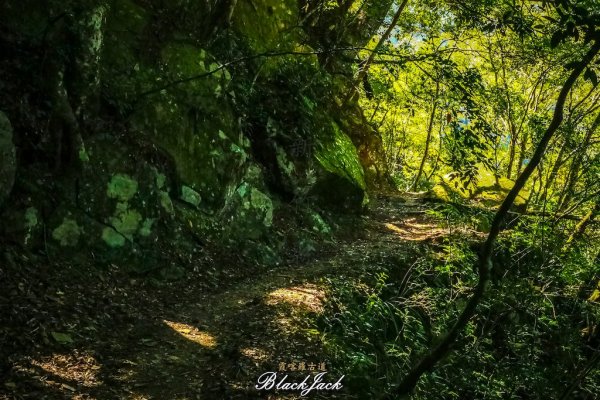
(137, 343)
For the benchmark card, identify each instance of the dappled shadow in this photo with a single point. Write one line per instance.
(128, 339)
(136, 341)
(426, 230)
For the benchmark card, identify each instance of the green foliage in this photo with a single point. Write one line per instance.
(483, 69)
(526, 338)
(375, 328)
(361, 330)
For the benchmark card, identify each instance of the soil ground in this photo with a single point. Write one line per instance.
(105, 335)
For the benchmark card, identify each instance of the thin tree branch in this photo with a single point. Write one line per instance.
(485, 265)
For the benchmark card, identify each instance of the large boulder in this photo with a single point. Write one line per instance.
(341, 183)
(124, 205)
(8, 161)
(278, 18)
(308, 157)
(195, 124)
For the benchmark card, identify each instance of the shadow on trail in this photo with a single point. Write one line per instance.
(104, 339)
(104, 335)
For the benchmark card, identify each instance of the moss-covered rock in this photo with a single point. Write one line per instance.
(450, 190)
(343, 182)
(180, 99)
(126, 202)
(190, 196)
(317, 223)
(252, 213)
(206, 149)
(113, 238)
(491, 192)
(338, 155)
(367, 141)
(126, 220)
(246, 223)
(195, 124)
(276, 28)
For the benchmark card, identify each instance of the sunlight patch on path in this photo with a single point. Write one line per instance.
(416, 231)
(64, 373)
(308, 297)
(255, 354)
(193, 334)
(82, 369)
(421, 230)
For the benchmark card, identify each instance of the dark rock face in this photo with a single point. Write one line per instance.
(198, 139)
(8, 162)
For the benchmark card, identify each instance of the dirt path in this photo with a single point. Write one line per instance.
(131, 342)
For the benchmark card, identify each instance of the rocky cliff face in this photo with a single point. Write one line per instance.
(8, 162)
(171, 125)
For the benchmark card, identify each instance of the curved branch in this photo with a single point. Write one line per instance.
(484, 266)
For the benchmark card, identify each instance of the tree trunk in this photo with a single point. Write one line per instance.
(580, 228)
(366, 64)
(512, 151)
(84, 81)
(576, 165)
(553, 173)
(522, 150)
(484, 265)
(428, 140)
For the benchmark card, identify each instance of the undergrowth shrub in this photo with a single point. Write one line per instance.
(535, 336)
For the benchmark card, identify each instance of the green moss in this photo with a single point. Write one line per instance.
(31, 218)
(146, 228)
(261, 202)
(318, 224)
(287, 166)
(492, 191)
(253, 212)
(83, 155)
(275, 29)
(126, 221)
(160, 180)
(489, 190)
(439, 192)
(122, 187)
(67, 233)
(339, 156)
(190, 196)
(112, 237)
(184, 59)
(450, 190)
(166, 202)
(195, 125)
